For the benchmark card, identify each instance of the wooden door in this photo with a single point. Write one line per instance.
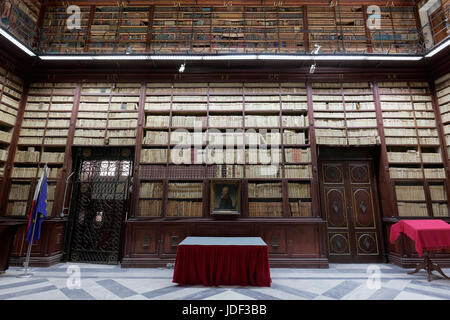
(349, 202)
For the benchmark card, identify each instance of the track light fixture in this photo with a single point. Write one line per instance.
(182, 67)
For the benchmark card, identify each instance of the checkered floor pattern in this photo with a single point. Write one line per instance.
(340, 282)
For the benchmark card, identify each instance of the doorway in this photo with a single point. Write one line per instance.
(100, 200)
(349, 202)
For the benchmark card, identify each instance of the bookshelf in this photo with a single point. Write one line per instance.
(186, 125)
(344, 114)
(107, 114)
(11, 88)
(20, 18)
(42, 140)
(168, 29)
(57, 38)
(413, 149)
(397, 33)
(443, 95)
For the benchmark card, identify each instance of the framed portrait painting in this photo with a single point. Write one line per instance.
(225, 197)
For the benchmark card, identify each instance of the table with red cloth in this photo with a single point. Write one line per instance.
(214, 261)
(428, 235)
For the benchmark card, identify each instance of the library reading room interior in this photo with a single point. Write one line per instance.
(315, 125)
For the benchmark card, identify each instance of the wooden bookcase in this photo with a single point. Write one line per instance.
(57, 38)
(20, 18)
(42, 140)
(344, 114)
(169, 29)
(11, 88)
(414, 153)
(107, 114)
(200, 116)
(443, 95)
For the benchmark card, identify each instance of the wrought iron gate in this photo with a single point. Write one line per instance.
(100, 199)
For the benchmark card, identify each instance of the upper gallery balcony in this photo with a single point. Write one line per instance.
(280, 28)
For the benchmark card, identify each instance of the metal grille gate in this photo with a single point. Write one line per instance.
(100, 199)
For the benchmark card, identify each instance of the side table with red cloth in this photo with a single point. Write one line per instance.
(429, 235)
(214, 261)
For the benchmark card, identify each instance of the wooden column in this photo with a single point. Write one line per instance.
(315, 193)
(134, 207)
(315, 190)
(6, 185)
(442, 142)
(368, 38)
(151, 12)
(89, 26)
(305, 28)
(67, 165)
(387, 191)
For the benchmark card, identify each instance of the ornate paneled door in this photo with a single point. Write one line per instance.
(349, 202)
(99, 203)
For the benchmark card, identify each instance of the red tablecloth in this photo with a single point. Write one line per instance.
(214, 265)
(429, 235)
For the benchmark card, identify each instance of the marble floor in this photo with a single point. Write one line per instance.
(67, 281)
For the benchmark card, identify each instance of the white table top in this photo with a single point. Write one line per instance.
(223, 241)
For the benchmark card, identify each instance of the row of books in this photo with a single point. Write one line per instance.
(27, 156)
(112, 123)
(21, 172)
(185, 190)
(265, 209)
(3, 155)
(339, 106)
(414, 156)
(5, 136)
(416, 209)
(300, 209)
(395, 106)
(19, 191)
(264, 190)
(408, 132)
(18, 208)
(51, 123)
(6, 118)
(408, 114)
(297, 155)
(405, 98)
(8, 101)
(410, 192)
(409, 123)
(437, 192)
(177, 208)
(440, 209)
(150, 208)
(299, 190)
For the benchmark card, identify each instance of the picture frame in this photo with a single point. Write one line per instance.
(225, 197)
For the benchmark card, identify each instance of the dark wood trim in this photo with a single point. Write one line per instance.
(366, 29)
(442, 141)
(88, 32)
(6, 185)
(305, 28)
(134, 208)
(387, 190)
(151, 12)
(67, 165)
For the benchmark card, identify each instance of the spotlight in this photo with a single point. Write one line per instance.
(313, 68)
(182, 67)
(316, 49)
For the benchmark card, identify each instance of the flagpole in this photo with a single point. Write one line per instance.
(26, 274)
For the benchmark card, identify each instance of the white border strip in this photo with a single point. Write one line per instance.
(16, 42)
(232, 57)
